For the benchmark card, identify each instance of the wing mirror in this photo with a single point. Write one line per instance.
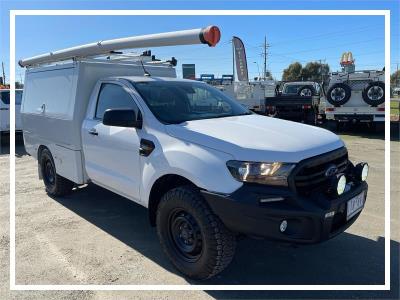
(122, 118)
(278, 92)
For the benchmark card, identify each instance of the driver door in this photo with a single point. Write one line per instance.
(112, 153)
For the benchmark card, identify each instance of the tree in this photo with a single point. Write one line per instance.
(395, 77)
(315, 71)
(292, 72)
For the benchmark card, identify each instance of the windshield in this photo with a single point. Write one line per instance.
(291, 89)
(174, 102)
(5, 97)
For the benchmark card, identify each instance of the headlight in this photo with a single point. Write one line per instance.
(274, 173)
(361, 171)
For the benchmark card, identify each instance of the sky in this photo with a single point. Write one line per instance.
(290, 38)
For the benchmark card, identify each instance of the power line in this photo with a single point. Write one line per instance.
(328, 34)
(336, 46)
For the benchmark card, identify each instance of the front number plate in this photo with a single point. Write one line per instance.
(355, 205)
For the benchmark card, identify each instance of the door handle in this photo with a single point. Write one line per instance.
(93, 131)
(42, 108)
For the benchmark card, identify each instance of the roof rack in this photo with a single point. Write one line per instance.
(209, 35)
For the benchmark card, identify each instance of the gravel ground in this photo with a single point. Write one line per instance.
(96, 237)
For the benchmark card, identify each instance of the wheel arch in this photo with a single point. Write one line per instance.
(160, 187)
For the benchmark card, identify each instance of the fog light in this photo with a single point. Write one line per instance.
(341, 184)
(361, 171)
(283, 226)
(329, 214)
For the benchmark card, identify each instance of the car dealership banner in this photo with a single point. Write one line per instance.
(240, 59)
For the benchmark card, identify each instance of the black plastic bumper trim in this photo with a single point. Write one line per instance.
(243, 213)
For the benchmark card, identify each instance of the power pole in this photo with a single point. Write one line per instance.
(397, 74)
(233, 61)
(4, 74)
(265, 54)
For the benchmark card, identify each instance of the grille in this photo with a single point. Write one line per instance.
(309, 175)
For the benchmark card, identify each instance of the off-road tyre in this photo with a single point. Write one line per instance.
(332, 125)
(311, 118)
(310, 93)
(374, 93)
(55, 184)
(338, 94)
(213, 244)
(378, 127)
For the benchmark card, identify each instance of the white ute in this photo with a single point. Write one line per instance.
(5, 110)
(355, 97)
(206, 168)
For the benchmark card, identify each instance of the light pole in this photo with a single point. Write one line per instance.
(258, 68)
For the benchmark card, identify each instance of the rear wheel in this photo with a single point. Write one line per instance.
(55, 184)
(332, 125)
(311, 117)
(378, 127)
(195, 240)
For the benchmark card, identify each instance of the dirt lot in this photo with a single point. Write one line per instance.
(96, 237)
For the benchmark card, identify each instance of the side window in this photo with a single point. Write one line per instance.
(113, 96)
(5, 97)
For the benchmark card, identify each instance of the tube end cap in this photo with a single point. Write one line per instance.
(210, 35)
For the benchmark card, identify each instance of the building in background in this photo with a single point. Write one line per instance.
(189, 71)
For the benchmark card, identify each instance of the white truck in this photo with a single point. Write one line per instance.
(250, 94)
(5, 110)
(355, 97)
(206, 173)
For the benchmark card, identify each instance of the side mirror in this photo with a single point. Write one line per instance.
(277, 91)
(121, 118)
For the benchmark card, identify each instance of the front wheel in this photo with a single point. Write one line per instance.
(192, 236)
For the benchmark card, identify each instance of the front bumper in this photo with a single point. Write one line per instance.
(242, 212)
